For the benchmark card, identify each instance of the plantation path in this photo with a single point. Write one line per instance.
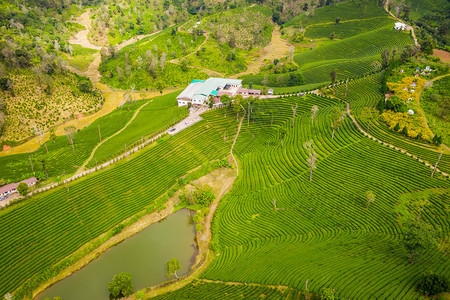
(81, 169)
(234, 141)
(390, 145)
(408, 27)
(194, 117)
(279, 287)
(278, 48)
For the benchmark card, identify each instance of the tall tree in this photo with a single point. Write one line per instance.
(294, 112)
(70, 130)
(314, 110)
(333, 77)
(385, 58)
(173, 266)
(162, 61)
(312, 157)
(418, 236)
(370, 197)
(291, 53)
(437, 162)
(282, 133)
(271, 111)
(337, 118)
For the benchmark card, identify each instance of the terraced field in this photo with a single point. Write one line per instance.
(355, 51)
(345, 11)
(351, 56)
(47, 228)
(321, 231)
(346, 29)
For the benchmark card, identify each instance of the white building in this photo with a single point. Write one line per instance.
(198, 91)
(400, 26)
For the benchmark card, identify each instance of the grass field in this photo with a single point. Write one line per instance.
(345, 29)
(421, 7)
(201, 289)
(351, 56)
(54, 224)
(153, 117)
(81, 57)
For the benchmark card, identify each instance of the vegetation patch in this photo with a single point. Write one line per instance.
(436, 104)
(35, 103)
(241, 28)
(146, 64)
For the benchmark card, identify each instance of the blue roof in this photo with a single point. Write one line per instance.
(197, 80)
(214, 93)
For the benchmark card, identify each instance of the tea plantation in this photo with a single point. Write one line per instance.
(55, 224)
(321, 231)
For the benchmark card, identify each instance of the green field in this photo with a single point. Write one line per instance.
(159, 114)
(346, 29)
(353, 56)
(347, 10)
(60, 157)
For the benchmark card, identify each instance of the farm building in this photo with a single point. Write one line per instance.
(198, 91)
(12, 187)
(400, 26)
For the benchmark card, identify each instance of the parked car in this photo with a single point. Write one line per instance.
(172, 129)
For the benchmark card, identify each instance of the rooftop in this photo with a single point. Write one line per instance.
(191, 89)
(213, 83)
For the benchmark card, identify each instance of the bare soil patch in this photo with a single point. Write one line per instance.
(442, 54)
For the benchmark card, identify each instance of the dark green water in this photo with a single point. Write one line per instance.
(144, 255)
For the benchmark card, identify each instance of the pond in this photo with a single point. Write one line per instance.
(144, 255)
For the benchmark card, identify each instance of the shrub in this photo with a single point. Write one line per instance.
(121, 286)
(22, 188)
(432, 284)
(118, 229)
